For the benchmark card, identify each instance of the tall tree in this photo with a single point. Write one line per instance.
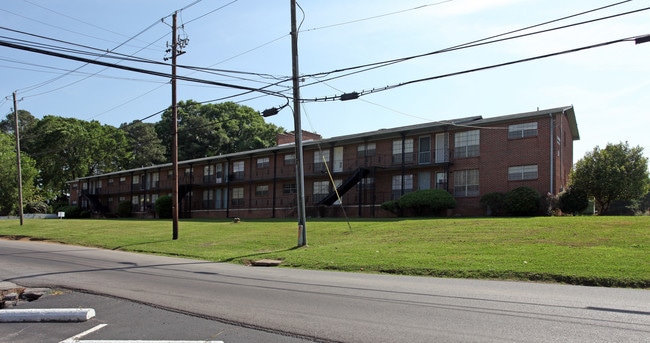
(145, 146)
(26, 121)
(68, 148)
(212, 129)
(617, 172)
(9, 176)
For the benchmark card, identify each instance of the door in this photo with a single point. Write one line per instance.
(338, 159)
(442, 147)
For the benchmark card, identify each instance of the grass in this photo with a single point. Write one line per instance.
(596, 251)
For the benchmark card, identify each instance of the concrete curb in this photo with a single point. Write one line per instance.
(46, 315)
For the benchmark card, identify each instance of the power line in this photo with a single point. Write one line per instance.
(381, 89)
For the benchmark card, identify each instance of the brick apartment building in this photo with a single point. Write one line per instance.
(468, 157)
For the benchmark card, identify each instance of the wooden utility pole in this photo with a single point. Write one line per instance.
(174, 49)
(20, 173)
(300, 171)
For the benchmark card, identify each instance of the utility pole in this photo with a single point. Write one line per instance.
(20, 173)
(300, 170)
(174, 49)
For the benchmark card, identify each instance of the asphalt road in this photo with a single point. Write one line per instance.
(340, 307)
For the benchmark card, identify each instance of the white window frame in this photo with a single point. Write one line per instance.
(466, 183)
(467, 144)
(517, 131)
(520, 173)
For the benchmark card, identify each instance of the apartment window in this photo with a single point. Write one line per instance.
(110, 181)
(466, 144)
(364, 150)
(398, 180)
(441, 180)
(466, 183)
(518, 173)
(261, 191)
(208, 197)
(262, 162)
(424, 151)
(289, 159)
(122, 178)
(219, 172)
(238, 170)
(321, 190)
(522, 130)
(155, 180)
(289, 188)
(320, 158)
(136, 179)
(238, 197)
(84, 185)
(208, 173)
(406, 149)
(368, 182)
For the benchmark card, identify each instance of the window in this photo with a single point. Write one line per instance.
(238, 170)
(466, 183)
(397, 190)
(441, 180)
(208, 172)
(320, 158)
(136, 179)
(406, 150)
(238, 197)
(522, 130)
(364, 150)
(262, 190)
(219, 169)
(289, 188)
(518, 173)
(84, 185)
(207, 199)
(424, 151)
(110, 181)
(289, 159)
(263, 162)
(122, 178)
(466, 144)
(321, 190)
(368, 182)
(155, 179)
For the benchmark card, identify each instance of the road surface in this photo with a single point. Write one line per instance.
(340, 307)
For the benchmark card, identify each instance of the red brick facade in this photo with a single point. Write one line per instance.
(468, 157)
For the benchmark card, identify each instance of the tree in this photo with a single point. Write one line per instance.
(9, 176)
(144, 145)
(69, 148)
(212, 129)
(26, 121)
(617, 172)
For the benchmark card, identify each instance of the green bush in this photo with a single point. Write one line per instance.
(36, 207)
(164, 207)
(71, 211)
(427, 201)
(85, 214)
(573, 200)
(522, 201)
(493, 203)
(391, 206)
(124, 209)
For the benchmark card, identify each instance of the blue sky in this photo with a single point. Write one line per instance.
(608, 86)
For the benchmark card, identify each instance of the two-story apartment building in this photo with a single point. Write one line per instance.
(468, 157)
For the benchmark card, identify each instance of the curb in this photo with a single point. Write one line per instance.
(49, 315)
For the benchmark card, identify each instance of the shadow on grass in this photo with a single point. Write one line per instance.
(252, 256)
(136, 244)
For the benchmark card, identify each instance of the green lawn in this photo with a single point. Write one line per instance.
(602, 251)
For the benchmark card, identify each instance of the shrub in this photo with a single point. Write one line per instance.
(71, 211)
(36, 207)
(124, 209)
(493, 203)
(164, 207)
(85, 214)
(427, 201)
(391, 206)
(522, 201)
(573, 200)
